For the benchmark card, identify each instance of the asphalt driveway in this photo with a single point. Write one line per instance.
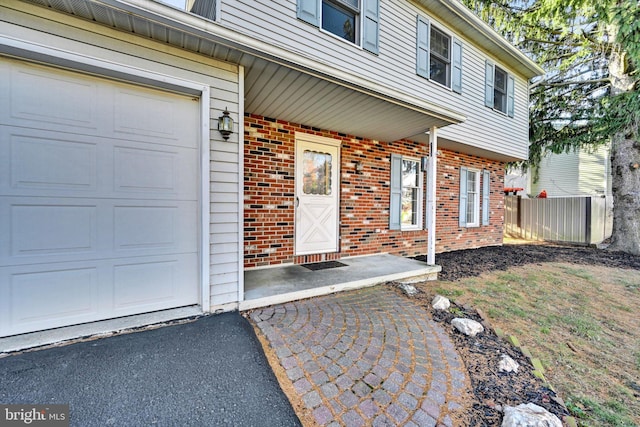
(210, 372)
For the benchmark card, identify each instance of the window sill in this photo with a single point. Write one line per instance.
(502, 113)
(436, 83)
(411, 228)
(330, 34)
(440, 84)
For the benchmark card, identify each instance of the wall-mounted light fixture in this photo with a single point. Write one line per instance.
(359, 166)
(225, 124)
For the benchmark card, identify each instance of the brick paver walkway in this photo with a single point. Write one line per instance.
(366, 357)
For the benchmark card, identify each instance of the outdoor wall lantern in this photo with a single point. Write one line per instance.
(359, 166)
(225, 124)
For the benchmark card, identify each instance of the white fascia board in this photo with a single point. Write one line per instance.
(199, 27)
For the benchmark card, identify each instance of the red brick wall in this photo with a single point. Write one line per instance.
(450, 236)
(364, 198)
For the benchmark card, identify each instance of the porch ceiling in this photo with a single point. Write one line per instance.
(275, 86)
(280, 92)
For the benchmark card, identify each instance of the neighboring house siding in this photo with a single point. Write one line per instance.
(364, 201)
(97, 41)
(579, 173)
(395, 66)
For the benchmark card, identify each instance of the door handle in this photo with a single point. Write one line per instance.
(297, 201)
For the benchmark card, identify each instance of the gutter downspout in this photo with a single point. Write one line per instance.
(431, 195)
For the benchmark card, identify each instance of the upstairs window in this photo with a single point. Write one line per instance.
(205, 8)
(499, 89)
(439, 56)
(341, 18)
(356, 21)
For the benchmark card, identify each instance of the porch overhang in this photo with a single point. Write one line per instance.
(280, 83)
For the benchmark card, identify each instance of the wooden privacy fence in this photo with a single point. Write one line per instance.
(584, 220)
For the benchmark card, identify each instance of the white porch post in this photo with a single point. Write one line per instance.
(431, 195)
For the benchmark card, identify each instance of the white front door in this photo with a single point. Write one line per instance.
(317, 194)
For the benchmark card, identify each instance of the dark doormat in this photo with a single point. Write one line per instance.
(323, 265)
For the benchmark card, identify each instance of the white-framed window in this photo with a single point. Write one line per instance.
(342, 18)
(471, 197)
(406, 210)
(412, 189)
(439, 55)
(499, 89)
(205, 8)
(356, 21)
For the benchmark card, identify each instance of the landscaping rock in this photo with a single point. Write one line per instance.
(440, 303)
(408, 289)
(529, 415)
(507, 364)
(467, 326)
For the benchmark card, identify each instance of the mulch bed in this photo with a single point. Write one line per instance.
(473, 262)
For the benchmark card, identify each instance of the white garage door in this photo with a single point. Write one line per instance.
(98, 198)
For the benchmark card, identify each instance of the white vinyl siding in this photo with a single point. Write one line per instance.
(102, 43)
(395, 66)
(580, 173)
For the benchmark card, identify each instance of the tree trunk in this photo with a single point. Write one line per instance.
(625, 169)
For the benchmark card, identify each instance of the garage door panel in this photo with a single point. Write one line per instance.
(153, 284)
(62, 99)
(43, 163)
(145, 114)
(50, 298)
(52, 230)
(152, 227)
(48, 163)
(145, 227)
(145, 169)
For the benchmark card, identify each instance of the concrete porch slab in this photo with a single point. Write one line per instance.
(278, 285)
